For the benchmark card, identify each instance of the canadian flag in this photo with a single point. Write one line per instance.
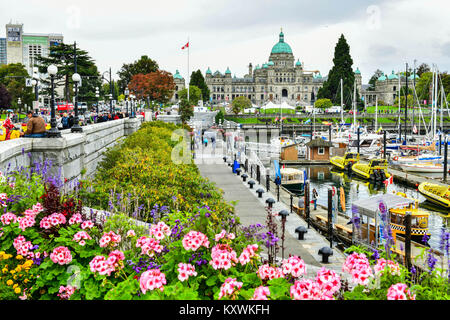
(185, 46)
(389, 181)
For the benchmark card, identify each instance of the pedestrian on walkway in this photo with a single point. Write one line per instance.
(213, 142)
(205, 141)
(301, 204)
(315, 196)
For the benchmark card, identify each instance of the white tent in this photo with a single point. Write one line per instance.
(284, 105)
(270, 105)
(249, 110)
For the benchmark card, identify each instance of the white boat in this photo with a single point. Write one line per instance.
(281, 141)
(425, 158)
(293, 179)
(428, 167)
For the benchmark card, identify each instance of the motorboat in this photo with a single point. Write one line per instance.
(346, 162)
(375, 170)
(436, 193)
(293, 180)
(428, 167)
(281, 141)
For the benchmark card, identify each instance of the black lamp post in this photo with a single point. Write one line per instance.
(97, 95)
(133, 101)
(127, 92)
(52, 70)
(76, 78)
(110, 93)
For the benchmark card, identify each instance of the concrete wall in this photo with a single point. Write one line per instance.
(71, 153)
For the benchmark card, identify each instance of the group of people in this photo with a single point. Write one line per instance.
(315, 196)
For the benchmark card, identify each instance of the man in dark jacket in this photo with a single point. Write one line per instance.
(35, 126)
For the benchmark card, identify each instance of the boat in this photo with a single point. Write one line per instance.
(281, 141)
(436, 193)
(346, 162)
(398, 160)
(428, 167)
(293, 180)
(375, 171)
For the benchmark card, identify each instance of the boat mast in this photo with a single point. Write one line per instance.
(406, 102)
(354, 104)
(435, 101)
(342, 102)
(376, 113)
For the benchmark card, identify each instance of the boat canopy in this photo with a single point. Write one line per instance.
(369, 207)
(291, 172)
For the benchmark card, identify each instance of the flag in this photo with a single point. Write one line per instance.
(414, 129)
(185, 46)
(389, 181)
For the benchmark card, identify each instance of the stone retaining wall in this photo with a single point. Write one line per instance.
(72, 153)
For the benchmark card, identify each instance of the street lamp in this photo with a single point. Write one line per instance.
(127, 92)
(52, 70)
(19, 102)
(132, 115)
(76, 78)
(97, 95)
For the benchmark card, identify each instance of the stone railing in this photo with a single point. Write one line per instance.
(74, 153)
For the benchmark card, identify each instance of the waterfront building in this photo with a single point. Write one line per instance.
(3, 51)
(179, 85)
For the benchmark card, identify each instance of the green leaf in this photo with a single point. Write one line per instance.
(211, 281)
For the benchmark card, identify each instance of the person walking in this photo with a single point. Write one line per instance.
(301, 204)
(65, 121)
(205, 141)
(213, 142)
(315, 196)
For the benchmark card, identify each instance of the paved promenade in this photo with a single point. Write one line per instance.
(251, 210)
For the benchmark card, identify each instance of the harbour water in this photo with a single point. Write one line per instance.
(322, 177)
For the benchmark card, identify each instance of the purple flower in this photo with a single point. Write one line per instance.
(431, 261)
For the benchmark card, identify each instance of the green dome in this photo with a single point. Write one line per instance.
(392, 76)
(357, 71)
(257, 67)
(177, 75)
(298, 63)
(270, 63)
(281, 46)
(411, 77)
(317, 76)
(382, 78)
(228, 71)
(208, 71)
(265, 66)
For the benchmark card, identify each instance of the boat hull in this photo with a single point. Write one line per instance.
(296, 188)
(419, 168)
(433, 197)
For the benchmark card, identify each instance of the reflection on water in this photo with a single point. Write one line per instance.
(322, 177)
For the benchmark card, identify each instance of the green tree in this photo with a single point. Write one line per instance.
(342, 69)
(198, 80)
(62, 56)
(5, 97)
(144, 65)
(378, 73)
(12, 76)
(185, 109)
(240, 103)
(421, 69)
(219, 117)
(323, 103)
(195, 94)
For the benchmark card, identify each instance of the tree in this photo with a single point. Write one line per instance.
(220, 117)
(342, 69)
(62, 56)
(378, 73)
(198, 80)
(421, 69)
(323, 103)
(157, 86)
(12, 76)
(5, 97)
(186, 110)
(144, 65)
(195, 94)
(240, 103)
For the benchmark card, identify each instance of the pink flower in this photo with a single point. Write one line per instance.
(194, 240)
(100, 264)
(185, 270)
(87, 225)
(400, 291)
(328, 281)
(52, 220)
(76, 218)
(65, 292)
(306, 289)
(248, 253)
(22, 246)
(148, 246)
(294, 266)
(80, 236)
(266, 272)
(8, 217)
(38, 208)
(261, 293)
(61, 255)
(160, 230)
(224, 234)
(152, 279)
(229, 287)
(110, 238)
(26, 222)
(222, 257)
(131, 233)
(359, 267)
(383, 264)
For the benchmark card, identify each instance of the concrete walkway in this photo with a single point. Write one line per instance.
(251, 210)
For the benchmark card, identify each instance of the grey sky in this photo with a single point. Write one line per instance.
(232, 33)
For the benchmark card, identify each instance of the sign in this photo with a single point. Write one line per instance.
(35, 40)
(28, 82)
(13, 34)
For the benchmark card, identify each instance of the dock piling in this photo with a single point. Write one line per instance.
(408, 240)
(445, 158)
(307, 202)
(330, 216)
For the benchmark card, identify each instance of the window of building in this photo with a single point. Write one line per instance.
(321, 151)
(395, 88)
(262, 97)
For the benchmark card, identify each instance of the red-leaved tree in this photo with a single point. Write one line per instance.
(158, 86)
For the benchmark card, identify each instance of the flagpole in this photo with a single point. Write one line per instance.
(189, 77)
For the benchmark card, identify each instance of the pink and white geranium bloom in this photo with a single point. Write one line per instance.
(76, 218)
(26, 222)
(101, 265)
(222, 257)
(52, 220)
(61, 255)
(152, 279)
(328, 281)
(261, 293)
(131, 233)
(306, 289)
(66, 292)
(80, 236)
(22, 246)
(400, 291)
(160, 230)
(266, 272)
(223, 234)
(229, 287)
(87, 225)
(149, 245)
(359, 267)
(8, 218)
(294, 266)
(383, 264)
(109, 238)
(194, 240)
(185, 270)
(248, 253)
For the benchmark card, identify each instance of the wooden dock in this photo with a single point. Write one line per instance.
(305, 162)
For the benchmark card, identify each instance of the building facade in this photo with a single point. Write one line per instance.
(3, 57)
(179, 85)
(387, 88)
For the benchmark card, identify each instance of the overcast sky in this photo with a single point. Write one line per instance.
(233, 33)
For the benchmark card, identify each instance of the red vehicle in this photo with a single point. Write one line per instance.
(64, 107)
